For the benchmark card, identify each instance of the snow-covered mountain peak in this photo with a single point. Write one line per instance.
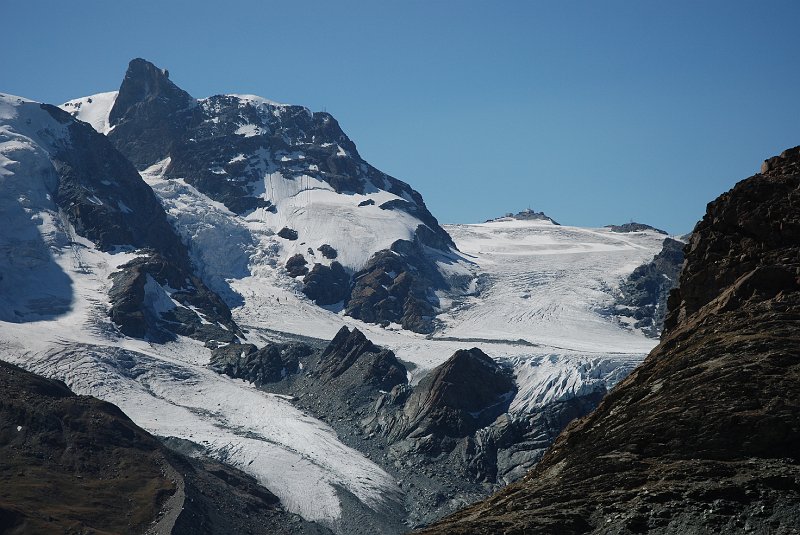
(296, 192)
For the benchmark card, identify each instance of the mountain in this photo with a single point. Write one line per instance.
(289, 185)
(704, 436)
(163, 302)
(77, 464)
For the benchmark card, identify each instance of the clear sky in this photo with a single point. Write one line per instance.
(595, 112)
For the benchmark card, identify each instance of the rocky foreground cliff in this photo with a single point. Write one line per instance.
(704, 437)
(75, 464)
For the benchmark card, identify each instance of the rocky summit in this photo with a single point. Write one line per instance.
(292, 187)
(703, 437)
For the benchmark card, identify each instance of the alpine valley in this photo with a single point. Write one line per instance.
(216, 308)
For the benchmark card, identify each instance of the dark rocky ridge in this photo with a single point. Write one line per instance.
(526, 215)
(75, 464)
(704, 436)
(106, 200)
(449, 439)
(104, 197)
(633, 227)
(643, 295)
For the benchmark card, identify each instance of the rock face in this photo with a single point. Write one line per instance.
(396, 286)
(77, 464)
(151, 297)
(526, 215)
(643, 295)
(327, 285)
(103, 195)
(259, 366)
(632, 227)
(462, 395)
(704, 436)
(149, 109)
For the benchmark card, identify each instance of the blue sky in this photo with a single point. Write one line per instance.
(594, 112)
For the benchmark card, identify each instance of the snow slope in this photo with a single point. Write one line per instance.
(93, 109)
(54, 321)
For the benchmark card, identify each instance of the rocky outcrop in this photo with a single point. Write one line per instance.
(327, 251)
(643, 295)
(704, 436)
(526, 215)
(269, 364)
(75, 464)
(327, 285)
(153, 298)
(633, 227)
(288, 233)
(297, 266)
(462, 395)
(396, 286)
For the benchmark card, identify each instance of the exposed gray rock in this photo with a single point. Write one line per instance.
(288, 233)
(327, 285)
(633, 227)
(643, 295)
(297, 266)
(396, 286)
(143, 296)
(327, 251)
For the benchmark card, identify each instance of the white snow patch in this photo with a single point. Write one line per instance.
(93, 109)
